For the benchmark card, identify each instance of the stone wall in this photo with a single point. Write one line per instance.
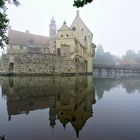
(41, 64)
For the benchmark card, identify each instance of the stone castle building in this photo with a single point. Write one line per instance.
(69, 51)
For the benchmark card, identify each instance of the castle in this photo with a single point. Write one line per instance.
(68, 51)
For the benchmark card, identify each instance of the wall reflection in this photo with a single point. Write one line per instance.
(69, 99)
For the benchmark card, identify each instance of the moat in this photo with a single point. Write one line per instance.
(69, 108)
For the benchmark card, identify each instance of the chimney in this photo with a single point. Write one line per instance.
(77, 13)
(27, 31)
(64, 22)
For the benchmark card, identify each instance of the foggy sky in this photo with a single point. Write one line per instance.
(115, 24)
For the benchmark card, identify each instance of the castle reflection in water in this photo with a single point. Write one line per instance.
(69, 99)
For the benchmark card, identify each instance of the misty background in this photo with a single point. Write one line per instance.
(130, 58)
(114, 24)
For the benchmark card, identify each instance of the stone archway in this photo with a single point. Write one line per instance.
(11, 67)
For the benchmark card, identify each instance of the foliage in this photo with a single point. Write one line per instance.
(102, 57)
(81, 3)
(132, 55)
(4, 21)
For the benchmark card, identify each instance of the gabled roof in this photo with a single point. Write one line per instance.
(24, 38)
(77, 18)
(64, 27)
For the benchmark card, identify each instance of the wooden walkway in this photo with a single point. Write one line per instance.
(115, 69)
(118, 67)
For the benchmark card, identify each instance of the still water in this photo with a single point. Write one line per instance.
(69, 108)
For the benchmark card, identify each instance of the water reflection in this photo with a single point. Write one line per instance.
(2, 137)
(69, 99)
(117, 111)
(130, 84)
(102, 85)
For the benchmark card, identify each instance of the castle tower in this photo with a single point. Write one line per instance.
(52, 29)
(52, 35)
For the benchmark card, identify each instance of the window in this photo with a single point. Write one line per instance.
(67, 35)
(73, 28)
(82, 29)
(61, 35)
(58, 51)
(85, 38)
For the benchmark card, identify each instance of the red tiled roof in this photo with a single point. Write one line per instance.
(128, 62)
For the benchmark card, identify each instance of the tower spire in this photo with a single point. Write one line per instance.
(77, 13)
(52, 29)
(65, 22)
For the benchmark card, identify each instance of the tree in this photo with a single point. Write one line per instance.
(130, 55)
(102, 57)
(100, 50)
(81, 3)
(4, 21)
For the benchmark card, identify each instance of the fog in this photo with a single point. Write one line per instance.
(114, 23)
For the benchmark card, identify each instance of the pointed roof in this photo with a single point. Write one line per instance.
(53, 20)
(64, 27)
(77, 18)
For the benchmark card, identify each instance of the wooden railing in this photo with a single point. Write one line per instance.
(119, 67)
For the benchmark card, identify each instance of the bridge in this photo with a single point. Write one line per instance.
(115, 69)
